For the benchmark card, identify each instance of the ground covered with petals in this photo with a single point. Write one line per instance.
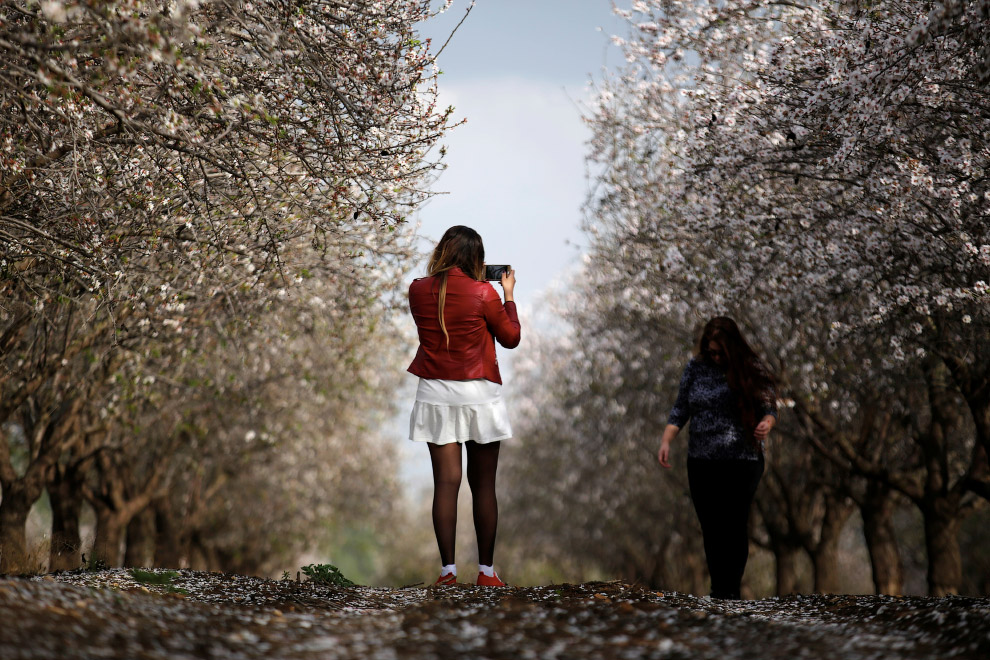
(108, 614)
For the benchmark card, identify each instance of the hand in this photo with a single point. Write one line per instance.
(669, 433)
(664, 454)
(763, 428)
(508, 283)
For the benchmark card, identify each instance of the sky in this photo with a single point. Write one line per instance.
(518, 71)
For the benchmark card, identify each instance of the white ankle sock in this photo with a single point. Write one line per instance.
(449, 569)
(487, 570)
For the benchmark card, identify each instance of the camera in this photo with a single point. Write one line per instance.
(494, 272)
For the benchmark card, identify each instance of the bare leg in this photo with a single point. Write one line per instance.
(446, 461)
(482, 463)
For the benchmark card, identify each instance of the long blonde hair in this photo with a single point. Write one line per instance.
(460, 247)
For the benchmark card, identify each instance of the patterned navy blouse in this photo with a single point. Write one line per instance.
(716, 428)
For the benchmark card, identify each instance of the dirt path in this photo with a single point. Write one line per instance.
(109, 615)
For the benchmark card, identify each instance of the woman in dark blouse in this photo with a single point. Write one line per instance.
(729, 396)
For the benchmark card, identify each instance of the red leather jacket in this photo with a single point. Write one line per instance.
(473, 313)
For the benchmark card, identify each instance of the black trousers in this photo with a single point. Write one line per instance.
(722, 492)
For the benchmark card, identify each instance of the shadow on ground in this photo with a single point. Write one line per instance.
(107, 614)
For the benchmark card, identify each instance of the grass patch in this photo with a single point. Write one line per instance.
(162, 579)
(326, 574)
(93, 564)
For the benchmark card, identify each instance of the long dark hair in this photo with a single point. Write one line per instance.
(460, 247)
(749, 379)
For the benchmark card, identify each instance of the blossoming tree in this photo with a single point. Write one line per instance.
(825, 163)
(170, 172)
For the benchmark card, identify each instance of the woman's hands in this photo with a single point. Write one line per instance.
(762, 429)
(664, 454)
(669, 433)
(508, 284)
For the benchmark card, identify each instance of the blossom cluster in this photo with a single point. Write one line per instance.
(810, 153)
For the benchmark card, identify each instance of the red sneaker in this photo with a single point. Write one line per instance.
(446, 580)
(494, 581)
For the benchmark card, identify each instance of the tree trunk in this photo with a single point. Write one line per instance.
(48, 436)
(942, 544)
(655, 578)
(786, 559)
(981, 418)
(825, 561)
(65, 553)
(117, 500)
(14, 510)
(109, 536)
(974, 383)
(825, 558)
(140, 549)
(172, 541)
(877, 511)
(655, 575)
(202, 558)
(696, 573)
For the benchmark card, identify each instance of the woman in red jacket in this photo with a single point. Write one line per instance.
(459, 399)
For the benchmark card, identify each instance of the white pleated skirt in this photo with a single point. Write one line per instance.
(448, 411)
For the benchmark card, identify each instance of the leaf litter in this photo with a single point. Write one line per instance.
(109, 614)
